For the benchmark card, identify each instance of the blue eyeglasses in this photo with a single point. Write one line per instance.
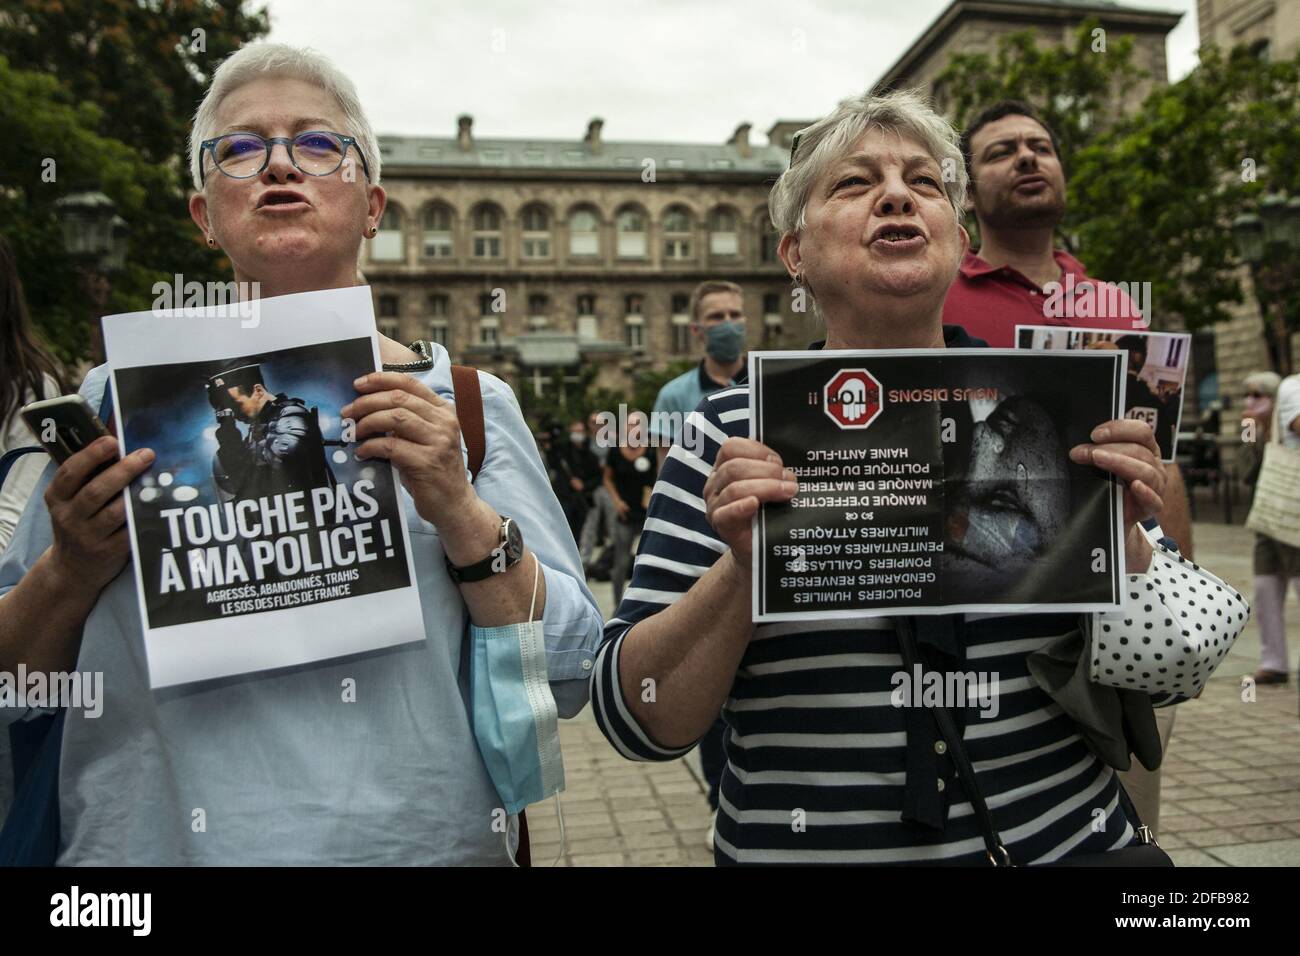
(245, 155)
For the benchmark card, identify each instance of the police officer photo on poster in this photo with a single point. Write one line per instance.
(259, 539)
(936, 482)
(1157, 371)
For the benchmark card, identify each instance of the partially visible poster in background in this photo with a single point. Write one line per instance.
(936, 481)
(1157, 371)
(259, 540)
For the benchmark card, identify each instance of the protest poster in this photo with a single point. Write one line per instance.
(259, 540)
(936, 482)
(1157, 371)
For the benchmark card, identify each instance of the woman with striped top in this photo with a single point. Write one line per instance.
(822, 767)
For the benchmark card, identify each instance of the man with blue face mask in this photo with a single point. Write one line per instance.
(717, 323)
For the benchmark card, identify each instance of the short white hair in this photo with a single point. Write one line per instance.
(279, 59)
(1266, 382)
(831, 138)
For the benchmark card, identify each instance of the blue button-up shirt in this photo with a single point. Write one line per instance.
(677, 399)
(280, 767)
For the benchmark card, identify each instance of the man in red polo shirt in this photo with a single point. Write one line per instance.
(1019, 277)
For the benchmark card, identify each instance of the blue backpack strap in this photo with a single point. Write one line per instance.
(106, 403)
(30, 835)
(10, 458)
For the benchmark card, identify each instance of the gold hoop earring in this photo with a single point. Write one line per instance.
(212, 242)
(372, 232)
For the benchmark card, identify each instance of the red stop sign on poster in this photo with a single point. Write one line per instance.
(852, 398)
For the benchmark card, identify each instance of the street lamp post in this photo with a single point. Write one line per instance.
(1269, 242)
(95, 237)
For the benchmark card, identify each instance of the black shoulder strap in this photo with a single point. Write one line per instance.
(997, 851)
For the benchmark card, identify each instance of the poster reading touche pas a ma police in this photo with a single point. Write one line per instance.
(259, 539)
(936, 481)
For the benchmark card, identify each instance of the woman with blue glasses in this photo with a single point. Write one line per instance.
(439, 747)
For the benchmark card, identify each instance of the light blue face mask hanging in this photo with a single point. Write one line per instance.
(516, 722)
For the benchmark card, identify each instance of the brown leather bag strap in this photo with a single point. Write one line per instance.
(469, 411)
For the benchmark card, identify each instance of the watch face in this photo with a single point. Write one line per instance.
(514, 541)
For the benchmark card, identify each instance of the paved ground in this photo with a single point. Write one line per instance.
(1231, 792)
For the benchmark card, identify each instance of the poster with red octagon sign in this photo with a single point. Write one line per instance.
(936, 482)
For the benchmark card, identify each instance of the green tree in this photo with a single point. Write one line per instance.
(43, 125)
(145, 63)
(123, 78)
(575, 401)
(1076, 86)
(1156, 195)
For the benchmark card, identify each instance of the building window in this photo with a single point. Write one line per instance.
(677, 233)
(439, 315)
(588, 324)
(723, 239)
(537, 233)
(539, 307)
(635, 331)
(487, 302)
(437, 232)
(769, 240)
(386, 246)
(772, 321)
(631, 234)
(634, 320)
(488, 332)
(386, 319)
(584, 233)
(487, 232)
(681, 322)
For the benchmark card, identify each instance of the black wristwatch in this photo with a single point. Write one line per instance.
(508, 552)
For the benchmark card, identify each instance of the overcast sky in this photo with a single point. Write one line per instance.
(681, 70)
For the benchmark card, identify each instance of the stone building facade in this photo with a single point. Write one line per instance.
(1271, 28)
(528, 257)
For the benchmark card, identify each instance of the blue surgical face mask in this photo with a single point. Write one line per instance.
(726, 340)
(516, 722)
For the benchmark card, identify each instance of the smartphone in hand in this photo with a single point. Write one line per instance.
(63, 425)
